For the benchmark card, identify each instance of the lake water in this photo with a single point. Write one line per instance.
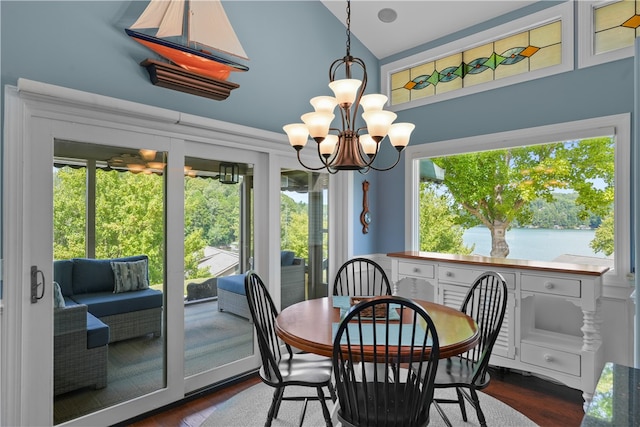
(535, 243)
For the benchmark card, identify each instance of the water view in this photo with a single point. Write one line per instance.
(535, 243)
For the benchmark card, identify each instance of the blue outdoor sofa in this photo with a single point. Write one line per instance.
(97, 307)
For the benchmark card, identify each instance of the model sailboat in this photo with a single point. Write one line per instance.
(208, 28)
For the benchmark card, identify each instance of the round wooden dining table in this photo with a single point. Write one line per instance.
(308, 326)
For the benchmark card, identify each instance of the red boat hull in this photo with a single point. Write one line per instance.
(200, 62)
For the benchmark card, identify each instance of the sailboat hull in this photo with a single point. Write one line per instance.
(190, 59)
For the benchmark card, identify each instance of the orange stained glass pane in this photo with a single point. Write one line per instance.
(633, 22)
(546, 57)
(613, 15)
(399, 79)
(547, 35)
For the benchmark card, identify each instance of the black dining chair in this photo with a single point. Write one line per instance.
(361, 277)
(281, 367)
(486, 303)
(376, 388)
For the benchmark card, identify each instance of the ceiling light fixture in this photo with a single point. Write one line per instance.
(349, 149)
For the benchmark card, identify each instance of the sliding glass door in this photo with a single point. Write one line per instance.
(109, 344)
(303, 235)
(218, 246)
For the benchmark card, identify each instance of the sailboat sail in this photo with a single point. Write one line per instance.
(208, 25)
(166, 16)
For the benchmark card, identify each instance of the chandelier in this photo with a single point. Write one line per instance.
(348, 148)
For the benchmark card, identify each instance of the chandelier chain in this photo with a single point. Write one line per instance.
(348, 28)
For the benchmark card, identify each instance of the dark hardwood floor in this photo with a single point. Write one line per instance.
(544, 402)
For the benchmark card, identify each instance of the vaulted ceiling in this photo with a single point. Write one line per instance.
(417, 22)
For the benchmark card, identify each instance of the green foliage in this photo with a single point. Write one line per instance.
(438, 232)
(604, 238)
(498, 188)
(213, 208)
(294, 227)
(562, 212)
(68, 209)
(130, 217)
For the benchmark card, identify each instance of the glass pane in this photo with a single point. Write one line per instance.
(218, 249)
(304, 235)
(109, 345)
(550, 202)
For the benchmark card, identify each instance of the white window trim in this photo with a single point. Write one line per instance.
(620, 125)
(562, 11)
(586, 55)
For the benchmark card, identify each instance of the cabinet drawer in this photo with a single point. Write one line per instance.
(468, 276)
(457, 275)
(556, 360)
(552, 285)
(415, 269)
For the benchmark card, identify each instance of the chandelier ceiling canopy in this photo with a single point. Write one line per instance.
(348, 147)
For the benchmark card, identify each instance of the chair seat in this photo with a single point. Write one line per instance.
(303, 369)
(455, 372)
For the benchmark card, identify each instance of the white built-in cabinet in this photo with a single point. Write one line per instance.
(566, 346)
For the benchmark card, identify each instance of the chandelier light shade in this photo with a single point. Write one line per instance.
(348, 147)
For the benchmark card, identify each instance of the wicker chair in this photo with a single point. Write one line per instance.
(284, 368)
(360, 277)
(75, 364)
(378, 389)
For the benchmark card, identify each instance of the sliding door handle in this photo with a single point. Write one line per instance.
(35, 284)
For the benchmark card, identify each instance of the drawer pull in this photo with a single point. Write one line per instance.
(548, 285)
(548, 358)
(416, 270)
(449, 274)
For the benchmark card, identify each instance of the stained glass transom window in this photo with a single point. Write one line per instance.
(516, 54)
(616, 25)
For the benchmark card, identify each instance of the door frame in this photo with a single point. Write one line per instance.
(35, 111)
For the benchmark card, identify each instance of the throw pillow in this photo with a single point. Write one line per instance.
(130, 276)
(286, 257)
(58, 299)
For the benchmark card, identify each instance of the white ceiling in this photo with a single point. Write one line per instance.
(418, 21)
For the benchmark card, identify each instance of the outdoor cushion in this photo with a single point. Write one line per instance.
(63, 274)
(96, 275)
(130, 275)
(58, 298)
(97, 332)
(286, 257)
(102, 304)
(234, 283)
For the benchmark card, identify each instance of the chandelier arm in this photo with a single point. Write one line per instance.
(390, 167)
(310, 168)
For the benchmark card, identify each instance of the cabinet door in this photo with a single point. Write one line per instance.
(453, 296)
(414, 288)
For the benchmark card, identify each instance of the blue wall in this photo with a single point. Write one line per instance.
(82, 45)
(580, 94)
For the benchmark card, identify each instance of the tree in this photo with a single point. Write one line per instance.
(438, 231)
(604, 238)
(294, 226)
(130, 218)
(496, 188)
